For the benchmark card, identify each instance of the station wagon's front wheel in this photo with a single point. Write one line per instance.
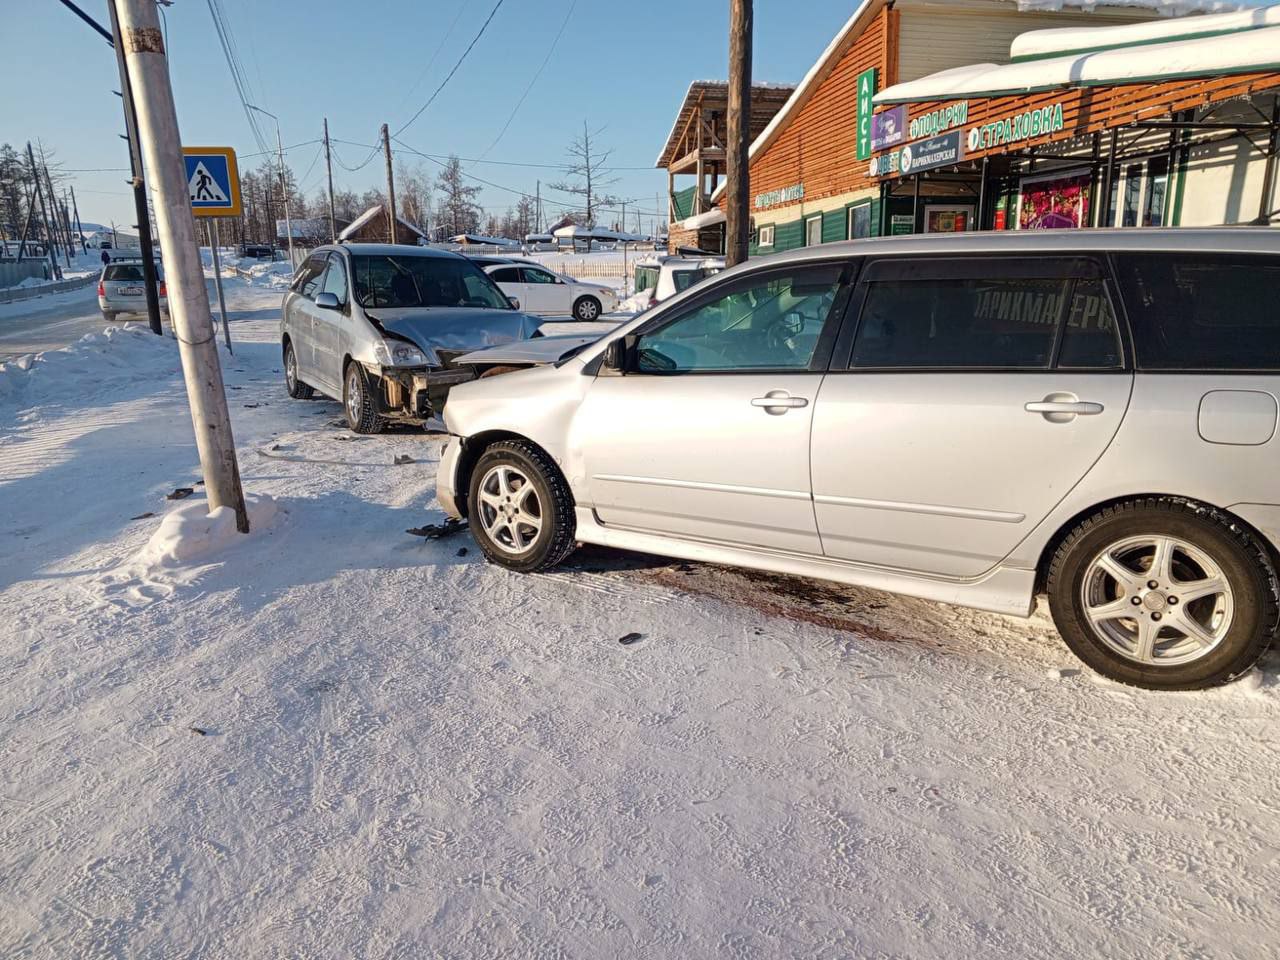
(358, 403)
(519, 508)
(1164, 593)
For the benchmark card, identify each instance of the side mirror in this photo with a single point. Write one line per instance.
(515, 304)
(617, 354)
(328, 301)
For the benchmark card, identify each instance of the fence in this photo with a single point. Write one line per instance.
(13, 272)
(61, 286)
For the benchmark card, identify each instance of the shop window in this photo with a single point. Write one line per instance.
(859, 222)
(1157, 191)
(1132, 194)
(1202, 312)
(765, 236)
(813, 231)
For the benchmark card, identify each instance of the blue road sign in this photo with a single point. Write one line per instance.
(213, 182)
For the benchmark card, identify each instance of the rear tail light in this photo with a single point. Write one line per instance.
(163, 292)
(102, 289)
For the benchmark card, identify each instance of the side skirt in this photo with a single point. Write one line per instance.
(1004, 590)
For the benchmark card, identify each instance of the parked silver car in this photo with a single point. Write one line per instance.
(973, 419)
(121, 289)
(378, 327)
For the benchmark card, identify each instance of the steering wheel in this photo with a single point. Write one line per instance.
(781, 334)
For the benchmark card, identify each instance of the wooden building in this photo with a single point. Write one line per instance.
(372, 227)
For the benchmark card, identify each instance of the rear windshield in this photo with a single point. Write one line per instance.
(127, 272)
(1202, 311)
(409, 281)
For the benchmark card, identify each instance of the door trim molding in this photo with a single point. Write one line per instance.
(698, 485)
(931, 509)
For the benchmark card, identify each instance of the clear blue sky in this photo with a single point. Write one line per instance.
(618, 65)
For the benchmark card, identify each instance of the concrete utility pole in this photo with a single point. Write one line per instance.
(284, 183)
(391, 185)
(79, 229)
(737, 232)
(148, 68)
(328, 165)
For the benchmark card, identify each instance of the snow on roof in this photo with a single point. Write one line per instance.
(480, 239)
(377, 210)
(573, 231)
(1037, 44)
(1253, 51)
(708, 219)
(1171, 8)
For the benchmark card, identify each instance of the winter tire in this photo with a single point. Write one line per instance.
(358, 403)
(108, 316)
(586, 309)
(520, 508)
(297, 389)
(1164, 593)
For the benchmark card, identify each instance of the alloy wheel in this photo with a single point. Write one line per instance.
(510, 511)
(353, 395)
(1157, 600)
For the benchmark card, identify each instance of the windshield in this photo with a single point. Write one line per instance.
(409, 281)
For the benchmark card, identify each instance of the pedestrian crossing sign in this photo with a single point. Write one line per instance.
(213, 181)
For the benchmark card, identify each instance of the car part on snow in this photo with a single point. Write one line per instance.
(437, 531)
(179, 493)
(402, 459)
(630, 638)
(143, 516)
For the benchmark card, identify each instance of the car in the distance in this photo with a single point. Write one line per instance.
(551, 294)
(660, 278)
(122, 289)
(378, 326)
(975, 419)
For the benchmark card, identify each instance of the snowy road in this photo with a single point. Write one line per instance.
(337, 740)
(46, 323)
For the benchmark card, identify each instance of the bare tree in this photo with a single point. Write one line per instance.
(585, 173)
(414, 193)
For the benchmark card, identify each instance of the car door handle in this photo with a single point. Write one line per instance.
(778, 402)
(1083, 408)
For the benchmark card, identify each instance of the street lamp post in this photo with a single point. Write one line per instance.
(284, 184)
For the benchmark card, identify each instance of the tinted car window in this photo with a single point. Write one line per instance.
(307, 279)
(986, 324)
(125, 272)
(1202, 312)
(1091, 337)
(769, 322)
(684, 279)
(535, 275)
(335, 281)
(506, 275)
(415, 281)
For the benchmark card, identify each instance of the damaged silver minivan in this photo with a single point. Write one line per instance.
(378, 327)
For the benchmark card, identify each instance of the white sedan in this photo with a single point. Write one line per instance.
(548, 294)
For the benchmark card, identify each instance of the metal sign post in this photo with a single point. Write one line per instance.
(211, 231)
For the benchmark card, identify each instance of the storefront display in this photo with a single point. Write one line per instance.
(1056, 201)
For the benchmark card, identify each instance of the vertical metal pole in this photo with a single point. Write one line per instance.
(982, 194)
(915, 206)
(328, 165)
(214, 242)
(1265, 208)
(150, 282)
(284, 190)
(738, 169)
(391, 184)
(1107, 213)
(148, 68)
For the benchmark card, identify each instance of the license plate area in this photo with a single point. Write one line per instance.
(129, 291)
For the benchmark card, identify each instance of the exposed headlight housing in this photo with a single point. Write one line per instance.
(397, 353)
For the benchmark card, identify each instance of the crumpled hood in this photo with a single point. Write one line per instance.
(538, 351)
(455, 328)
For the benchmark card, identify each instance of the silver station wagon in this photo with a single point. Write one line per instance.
(973, 419)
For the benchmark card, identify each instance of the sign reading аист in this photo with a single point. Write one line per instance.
(1022, 126)
(866, 90)
(888, 128)
(781, 195)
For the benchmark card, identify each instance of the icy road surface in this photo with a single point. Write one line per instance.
(332, 739)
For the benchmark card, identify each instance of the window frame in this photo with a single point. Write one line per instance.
(771, 230)
(1067, 265)
(811, 219)
(849, 213)
(296, 285)
(822, 352)
(335, 257)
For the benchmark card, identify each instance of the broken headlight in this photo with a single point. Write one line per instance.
(397, 353)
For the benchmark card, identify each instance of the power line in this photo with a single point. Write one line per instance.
(435, 56)
(449, 77)
(523, 96)
(243, 90)
(501, 163)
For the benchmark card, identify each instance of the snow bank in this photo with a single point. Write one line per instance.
(128, 353)
(194, 533)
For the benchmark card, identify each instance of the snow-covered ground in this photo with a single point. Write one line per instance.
(333, 739)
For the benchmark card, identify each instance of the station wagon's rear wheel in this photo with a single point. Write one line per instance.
(297, 389)
(1165, 594)
(519, 508)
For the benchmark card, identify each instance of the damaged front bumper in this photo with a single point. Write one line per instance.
(416, 394)
(447, 492)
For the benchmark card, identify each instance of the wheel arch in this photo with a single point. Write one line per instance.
(473, 449)
(1064, 529)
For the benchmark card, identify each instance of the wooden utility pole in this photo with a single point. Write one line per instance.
(738, 172)
(391, 184)
(328, 165)
(148, 68)
(79, 228)
(56, 273)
